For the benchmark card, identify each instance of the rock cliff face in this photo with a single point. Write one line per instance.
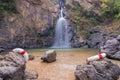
(31, 27)
(89, 34)
(91, 8)
(92, 5)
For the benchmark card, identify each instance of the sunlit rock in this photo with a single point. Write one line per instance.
(49, 56)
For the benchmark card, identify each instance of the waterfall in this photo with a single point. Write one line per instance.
(61, 12)
(62, 37)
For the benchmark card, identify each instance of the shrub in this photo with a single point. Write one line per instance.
(110, 9)
(7, 5)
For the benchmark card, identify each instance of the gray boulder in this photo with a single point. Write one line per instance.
(49, 56)
(12, 67)
(98, 70)
(112, 48)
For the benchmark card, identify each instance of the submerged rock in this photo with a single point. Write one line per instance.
(49, 56)
(12, 67)
(31, 75)
(98, 70)
(31, 57)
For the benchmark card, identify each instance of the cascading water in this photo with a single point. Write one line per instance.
(62, 37)
(61, 13)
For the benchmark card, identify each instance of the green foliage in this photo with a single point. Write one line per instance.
(81, 19)
(111, 8)
(80, 16)
(117, 2)
(82, 31)
(7, 5)
(76, 14)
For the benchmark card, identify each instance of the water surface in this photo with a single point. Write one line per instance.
(63, 68)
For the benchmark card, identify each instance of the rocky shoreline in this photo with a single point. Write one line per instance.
(13, 67)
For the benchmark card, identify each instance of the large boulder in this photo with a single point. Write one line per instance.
(12, 67)
(49, 56)
(98, 70)
(112, 48)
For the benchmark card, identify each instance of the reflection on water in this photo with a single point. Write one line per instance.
(63, 68)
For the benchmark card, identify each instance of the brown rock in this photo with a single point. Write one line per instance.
(49, 56)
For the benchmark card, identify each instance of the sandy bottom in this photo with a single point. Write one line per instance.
(63, 68)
